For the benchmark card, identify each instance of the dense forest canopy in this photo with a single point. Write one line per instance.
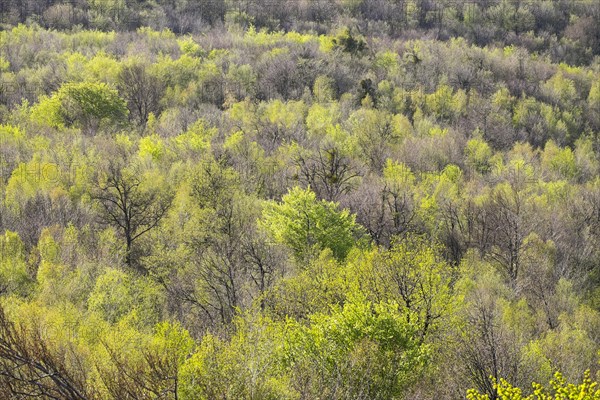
(299, 199)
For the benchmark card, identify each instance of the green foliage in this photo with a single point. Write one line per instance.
(245, 367)
(323, 89)
(86, 105)
(324, 281)
(151, 147)
(561, 89)
(478, 155)
(559, 161)
(14, 277)
(306, 225)
(349, 43)
(444, 104)
(358, 348)
(48, 112)
(412, 273)
(186, 193)
(30, 179)
(321, 119)
(116, 291)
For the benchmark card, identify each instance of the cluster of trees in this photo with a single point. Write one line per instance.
(565, 29)
(322, 212)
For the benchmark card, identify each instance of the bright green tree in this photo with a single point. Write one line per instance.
(361, 349)
(305, 224)
(85, 105)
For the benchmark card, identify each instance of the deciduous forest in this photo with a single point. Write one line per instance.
(300, 199)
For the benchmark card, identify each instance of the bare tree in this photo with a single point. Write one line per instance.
(383, 210)
(30, 368)
(130, 207)
(141, 90)
(155, 375)
(328, 172)
(505, 211)
(505, 221)
(487, 348)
